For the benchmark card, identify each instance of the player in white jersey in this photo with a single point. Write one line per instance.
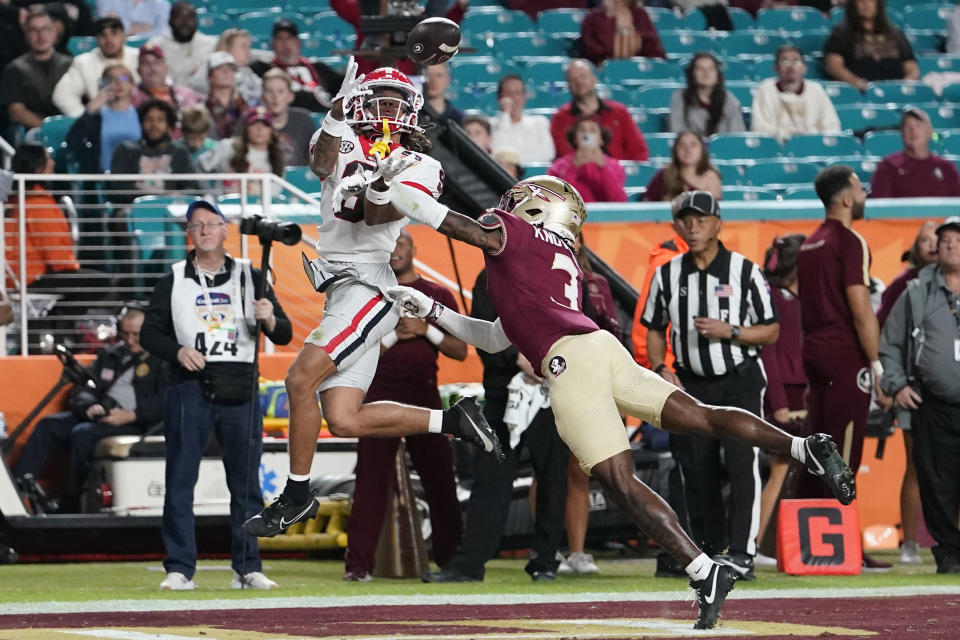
(358, 158)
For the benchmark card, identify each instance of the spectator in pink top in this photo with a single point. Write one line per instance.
(915, 172)
(597, 176)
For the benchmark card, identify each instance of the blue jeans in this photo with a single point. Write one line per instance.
(189, 418)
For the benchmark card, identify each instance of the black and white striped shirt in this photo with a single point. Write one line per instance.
(731, 289)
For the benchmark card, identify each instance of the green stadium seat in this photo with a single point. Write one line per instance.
(751, 42)
(497, 21)
(694, 20)
(639, 174)
(682, 44)
(657, 96)
(938, 63)
(560, 20)
(842, 93)
(81, 44)
(837, 15)
(927, 16)
(260, 23)
(157, 232)
(664, 19)
(744, 146)
(731, 173)
(302, 178)
(741, 19)
(550, 69)
(809, 42)
(788, 19)
(660, 144)
(547, 96)
(470, 70)
(861, 118)
(476, 98)
(640, 71)
(53, 135)
(882, 143)
(865, 166)
(800, 193)
(925, 40)
(951, 93)
(331, 25)
(736, 69)
(822, 145)
(743, 91)
(943, 116)
(749, 194)
(815, 69)
(780, 172)
(950, 144)
(635, 194)
(521, 45)
(650, 121)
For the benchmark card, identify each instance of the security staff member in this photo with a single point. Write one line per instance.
(201, 319)
(718, 304)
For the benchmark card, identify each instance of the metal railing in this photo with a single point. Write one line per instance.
(76, 247)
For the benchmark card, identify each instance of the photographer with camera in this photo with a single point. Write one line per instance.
(126, 398)
(203, 319)
(596, 175)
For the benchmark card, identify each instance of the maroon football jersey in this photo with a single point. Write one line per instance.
(534, 283)
(832, 258)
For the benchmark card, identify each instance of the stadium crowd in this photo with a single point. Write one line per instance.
(624, 108)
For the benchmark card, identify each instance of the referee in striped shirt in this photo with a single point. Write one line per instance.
(718, 306)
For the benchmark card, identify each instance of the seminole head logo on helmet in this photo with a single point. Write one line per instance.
(547, 201)
(393, 98)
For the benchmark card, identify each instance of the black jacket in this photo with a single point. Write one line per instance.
(151, 376)
(159, 336)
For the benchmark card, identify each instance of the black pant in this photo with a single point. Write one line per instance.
(493, 490)
(936, 450)
(703, 460)
(79, 438)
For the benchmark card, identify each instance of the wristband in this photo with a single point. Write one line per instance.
(377, 197)
(333, 127)
(435, 311)
(660, 367)
(389, 340)
(434, 335)
(877, 370)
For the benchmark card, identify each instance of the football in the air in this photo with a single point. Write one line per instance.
(433, 41)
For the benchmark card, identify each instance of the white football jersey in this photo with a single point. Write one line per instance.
(343, 235)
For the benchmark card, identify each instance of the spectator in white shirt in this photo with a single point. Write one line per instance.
(141, 18)
(789, 104)
(528, 134)
(186, 48)
(80, 83)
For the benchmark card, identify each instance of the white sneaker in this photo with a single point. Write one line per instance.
(564, 565)
(761, 560)
(252, 580)
(177, 582)
(910, 553)
(582, 562)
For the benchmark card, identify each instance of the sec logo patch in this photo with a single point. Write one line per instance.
(557, 365)
(346, 146)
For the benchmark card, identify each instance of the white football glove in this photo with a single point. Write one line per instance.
(415, 302)
(393, 165)
(350, 89)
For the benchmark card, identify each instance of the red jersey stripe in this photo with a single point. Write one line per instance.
(338, 339)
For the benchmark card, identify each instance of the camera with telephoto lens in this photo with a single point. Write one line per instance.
(270, 230)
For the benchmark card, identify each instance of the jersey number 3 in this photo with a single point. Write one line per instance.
(571, 292)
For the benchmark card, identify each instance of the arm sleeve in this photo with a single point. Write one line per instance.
(893, 346)
(68, 93)
(883, 179)
(655, 314)
(651, 46)
(761, 305)
(482, 334)
(283, 331)
(594, 43)
(157, 335)
(483, 309)
(150, 409)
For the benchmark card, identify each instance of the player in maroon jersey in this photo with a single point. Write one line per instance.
(535, 284)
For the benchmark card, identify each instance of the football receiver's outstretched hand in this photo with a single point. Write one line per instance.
(350, 89)
(394, 164)
(352, 185)
(412, 301)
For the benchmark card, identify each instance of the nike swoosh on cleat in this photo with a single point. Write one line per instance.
(284, 524)
(487, 444)
(820, 470)
(713, 591)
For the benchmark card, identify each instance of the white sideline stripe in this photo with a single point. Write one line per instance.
(117, 606)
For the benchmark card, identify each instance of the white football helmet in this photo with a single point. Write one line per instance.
(368, 112)
(547, 201)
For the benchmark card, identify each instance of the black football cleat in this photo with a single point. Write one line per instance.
(473, 427)
(279, 515)
(711, 593)
(823, 460)
(449, 575)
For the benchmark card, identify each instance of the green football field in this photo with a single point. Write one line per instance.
(39, 583)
